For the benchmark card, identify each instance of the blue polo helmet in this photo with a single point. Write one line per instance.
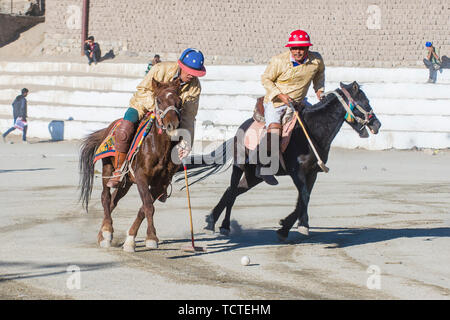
(191, 61)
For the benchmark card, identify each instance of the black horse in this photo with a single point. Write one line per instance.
(322, 121)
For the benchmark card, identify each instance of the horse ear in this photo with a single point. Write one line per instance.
(177, 82)
(155, 84)
(355, 86)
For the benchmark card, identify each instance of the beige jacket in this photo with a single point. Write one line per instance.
(282, 77)
(144, 101)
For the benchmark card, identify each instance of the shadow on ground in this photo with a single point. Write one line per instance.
(25, 170)
(329, 237)
(46, 270)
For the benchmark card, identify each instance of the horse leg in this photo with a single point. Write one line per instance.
(299, 180)
(303, 226)
(231, 197)
(105, 234)
(212, 218)
(130, 244)
(151, 240)
(119, 193)
(248, 182)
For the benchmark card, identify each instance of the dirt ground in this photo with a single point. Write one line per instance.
(380, 229)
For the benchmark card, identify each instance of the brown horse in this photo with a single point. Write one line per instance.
(152, 168)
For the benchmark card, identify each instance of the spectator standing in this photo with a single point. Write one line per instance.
(19, 106)
(432, 62)
(92, 50)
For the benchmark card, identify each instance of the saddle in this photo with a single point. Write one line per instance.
(107, 147)
(258, 128)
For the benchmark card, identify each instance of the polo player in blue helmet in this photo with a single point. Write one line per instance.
(188, 68)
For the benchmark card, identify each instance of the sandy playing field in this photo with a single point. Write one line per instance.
(380, 229)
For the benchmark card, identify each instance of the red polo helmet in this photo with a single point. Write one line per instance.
(299, 38)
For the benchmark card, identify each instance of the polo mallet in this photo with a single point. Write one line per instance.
(192, 247)
(319, 161)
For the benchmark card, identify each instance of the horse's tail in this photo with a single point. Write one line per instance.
(204, 165)
(86, 163)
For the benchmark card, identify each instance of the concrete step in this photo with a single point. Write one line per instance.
(392, 139)
(80, 82)
(394, 113)
(89, 113)
(45, 128)
(74, 67)
(222, 118)
(48, 129)
(224, 72)
(65, 112)
(390, 98)
(412, 113)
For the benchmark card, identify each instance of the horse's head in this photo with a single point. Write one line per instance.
(168, 104)
(363, 114)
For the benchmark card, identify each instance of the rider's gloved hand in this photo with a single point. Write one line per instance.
(183, 149)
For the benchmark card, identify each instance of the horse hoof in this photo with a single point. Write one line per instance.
(151, 244)
(129, 245)
(224, 232)
(209, 229)
(107, 238)
(105, 244)
(303, 230)
(281, 237)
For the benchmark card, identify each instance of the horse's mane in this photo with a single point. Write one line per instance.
(319, 106)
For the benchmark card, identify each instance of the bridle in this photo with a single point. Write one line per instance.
(350, 116)
(161, 114)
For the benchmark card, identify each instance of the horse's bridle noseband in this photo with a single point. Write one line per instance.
(353, 104)
(161, 114)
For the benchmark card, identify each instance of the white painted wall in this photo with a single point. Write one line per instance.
(413, 113)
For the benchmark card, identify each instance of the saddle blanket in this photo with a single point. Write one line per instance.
(257, 130)
(107, 147)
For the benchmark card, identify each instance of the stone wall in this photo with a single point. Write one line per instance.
(19, 7)
(369, 33)
(14, 7)
(12, 26)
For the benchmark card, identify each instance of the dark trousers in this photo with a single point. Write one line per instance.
(95, 57)
(433, 72)
(24, 134)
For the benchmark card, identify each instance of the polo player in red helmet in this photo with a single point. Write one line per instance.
(288, 78)
(188, 68)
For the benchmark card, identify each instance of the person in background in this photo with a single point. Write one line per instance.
(33, 10)
(156, 60)
(19, 106)
(92, 50)
(432, 62)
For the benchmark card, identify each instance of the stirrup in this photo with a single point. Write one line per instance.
(269, 179)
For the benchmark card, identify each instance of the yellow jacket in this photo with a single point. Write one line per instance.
(282, 77)
(144, 101)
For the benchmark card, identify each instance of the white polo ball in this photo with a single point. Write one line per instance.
(245, 260)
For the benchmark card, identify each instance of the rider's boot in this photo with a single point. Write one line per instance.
(274, 129)
(124, 134)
